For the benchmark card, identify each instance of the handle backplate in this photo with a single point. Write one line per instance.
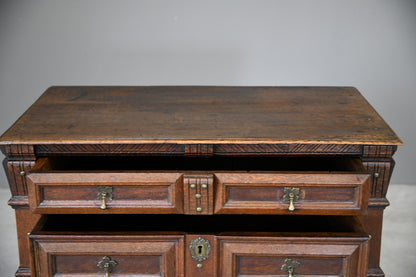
(107, 265)
(290, 266)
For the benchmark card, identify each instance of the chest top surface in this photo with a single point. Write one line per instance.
(197, 114)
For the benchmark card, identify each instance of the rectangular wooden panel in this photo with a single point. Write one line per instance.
(79, 192)
(17, 171)
(272, 266)
(25, 222)
(66, 255)
(314, 256)
(198, 193)
(381, 173)
(68, 265)
(200, 115)
(319, 193)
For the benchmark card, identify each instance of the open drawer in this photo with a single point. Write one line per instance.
(78, 246)
(343, 190)
(221, 185)
(284, 256)
(180, 245)
(100, 185)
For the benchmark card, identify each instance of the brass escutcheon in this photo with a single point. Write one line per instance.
(200, 249)
(107, 264)
(289, 266)
(291, 195)
(104, 194)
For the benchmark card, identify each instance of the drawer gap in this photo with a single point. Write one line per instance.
(215, 224)
(216, 163)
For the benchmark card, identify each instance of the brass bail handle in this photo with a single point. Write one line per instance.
(103, 198)
(291, 206)
(290, 272)
(291, 195)
(107, 264)
(104, 194)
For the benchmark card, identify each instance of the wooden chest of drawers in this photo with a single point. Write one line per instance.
(199, 181)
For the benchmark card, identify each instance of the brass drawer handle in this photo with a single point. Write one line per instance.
(107, 264)
(291, 195)
(289, 266)
(104, 194)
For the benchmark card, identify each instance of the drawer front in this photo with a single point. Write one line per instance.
(267, 257)
(311, 193)
(120, 256)
(76, 187)
(99, 192)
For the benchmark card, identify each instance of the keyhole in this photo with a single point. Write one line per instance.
(199, 249)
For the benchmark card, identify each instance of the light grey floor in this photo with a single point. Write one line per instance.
(398, 247)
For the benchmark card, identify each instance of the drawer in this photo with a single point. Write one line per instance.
(129, 255)
(104, 245)
(217, 185)
(180, 245)
(315, 246)
(328, 193)
(64, 190)
(299, 256)
(299, 246)
(95, 256)
(328, 186)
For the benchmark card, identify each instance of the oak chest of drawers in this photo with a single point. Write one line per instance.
(199, 181)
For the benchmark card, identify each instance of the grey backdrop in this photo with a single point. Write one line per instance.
(367, 44)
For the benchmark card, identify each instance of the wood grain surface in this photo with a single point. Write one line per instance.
(197, 114)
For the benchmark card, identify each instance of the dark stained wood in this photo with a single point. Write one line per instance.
(270, 266)
(88, 264)
(109, 149)
(378, 152)
(333, 245)
(138, 255)
(322, 192)
(17, 171)
(198, 199)
(19, 202)
(25, 222)
(20, 159)
(150, 143)
(20, 152)
(262, 193)
(209, 266)
(291, 149)
(127, 115)
(191, 150)
(377, 160)
(380, 173)
(199, 150)
(23, 272)
(373, 224)
(264, 256)
(57, 192)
